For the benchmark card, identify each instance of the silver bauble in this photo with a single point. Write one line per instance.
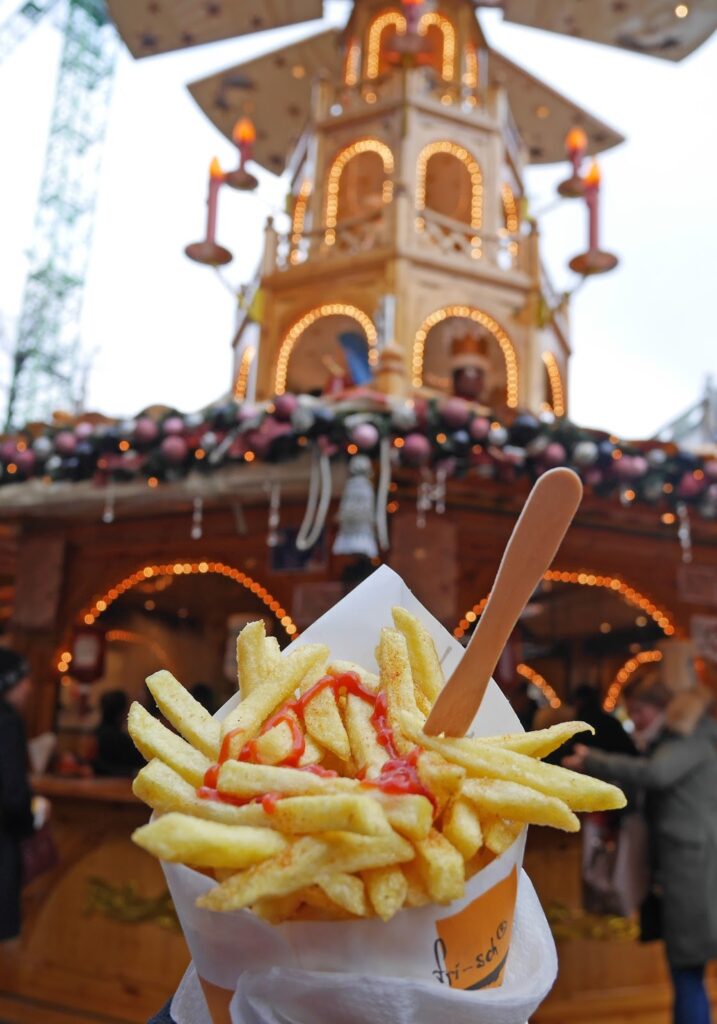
(42, 447)
(193, 420)
(302, 419)
(585, 453)
(537, 446)
(497, 436)
(208, 441)
(403, 417)
(656, 457)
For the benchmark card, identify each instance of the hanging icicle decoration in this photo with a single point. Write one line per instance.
(684, 533)
(382, 491)
(108, 513)
(423, 499)
(357, 527)
(317, 504)
(272, 536)
(197, 518)
(431, 495)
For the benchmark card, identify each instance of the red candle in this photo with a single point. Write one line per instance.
(244, 135)
(576, 142)
(592, 193)
(216, 177)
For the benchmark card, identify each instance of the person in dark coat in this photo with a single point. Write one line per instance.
(678, 773)
(116, 753)
(609, 733)
(16, 820)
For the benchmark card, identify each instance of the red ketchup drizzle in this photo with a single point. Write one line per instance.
(398, 775)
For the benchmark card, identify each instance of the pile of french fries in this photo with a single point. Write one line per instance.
(294, 822)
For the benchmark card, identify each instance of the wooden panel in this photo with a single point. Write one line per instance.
(38, 582)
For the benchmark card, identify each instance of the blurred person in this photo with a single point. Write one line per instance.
(678, 772)
(116, 753)
(16, 817)
(609, 733)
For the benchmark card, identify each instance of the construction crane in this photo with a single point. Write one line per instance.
(46, 365)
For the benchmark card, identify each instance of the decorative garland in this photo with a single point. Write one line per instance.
(447, 435)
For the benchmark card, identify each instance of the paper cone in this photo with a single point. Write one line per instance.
(463, 946)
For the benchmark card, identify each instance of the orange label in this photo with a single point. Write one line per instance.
(472, 947)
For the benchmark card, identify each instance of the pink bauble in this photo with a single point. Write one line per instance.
(640, 465)
(65, 442)
(480, 428)
(593, 477)
(8, 451)
(173, 425)
(624, 468)
(26, 462)
(689, 486)
(83, 431)
(285, 405)
(712, 492)
(174, 449)
(455, 412)
(145, 430)
(710, 469)
(554, 454)
(416, 450)
(365, 435)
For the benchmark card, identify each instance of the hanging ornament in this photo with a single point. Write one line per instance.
(42, 447)
(84, 430)
(317, 502)
(710, 469)
(357, 532)
(173, 425)
(208, 441)
(683, 532)
(479, 428)
(523, 429)
(285, 406)
(126, 427)
(25, 461)
(416, 450)
(193, 420)
(555, 454)
(455, 412)
(302, 419)
(656, 457)
(197, 518)
(65, 443)
(537, 446)
(498, 436)
(108, 513)
(272, 536)
(174, 449)
(690, 485)
(145, 430)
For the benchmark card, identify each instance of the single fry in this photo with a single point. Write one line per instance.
(241, 778)
(519, 803)
(416, 892)
(251, 657)
(153, 739)
(368, 754)
(162, 789)
(208, 844)
(499, 834)
(387, 889)
(277, 909)
(249, 715)
(344, 812)
(425, 666)
(322, 718)
(304, 861)
(368, 679)
(346, 891)
(462, 828)
(408, 814)
(186, 714)
(579, 792)
(396, 680)
(440, 777)
(535, 744)
(441, 868)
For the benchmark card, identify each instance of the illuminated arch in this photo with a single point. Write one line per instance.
(337, 169)
(298, 328)
(478, 317)
(298, 220)
(633, 597)
(448, 57)
(470, 75)
(378, 26)
(470, 164)
(541, 683)
(622, 675)
(242, 381)
(99, 606)
(352, 67)
(556, 383)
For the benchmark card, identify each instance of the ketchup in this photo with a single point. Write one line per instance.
(398, 774)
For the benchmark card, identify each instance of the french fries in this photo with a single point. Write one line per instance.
(319, 797)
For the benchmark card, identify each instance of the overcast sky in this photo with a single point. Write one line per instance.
(644, 336)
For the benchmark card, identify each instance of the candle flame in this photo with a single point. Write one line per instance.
(576, 141)
(592, 178)
(244, 131)
(215, 170)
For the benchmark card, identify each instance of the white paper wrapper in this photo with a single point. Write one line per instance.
(444, 951)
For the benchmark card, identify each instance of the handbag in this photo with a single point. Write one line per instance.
(616, 867)
(39, 854)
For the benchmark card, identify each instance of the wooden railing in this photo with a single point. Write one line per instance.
(348, 238)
